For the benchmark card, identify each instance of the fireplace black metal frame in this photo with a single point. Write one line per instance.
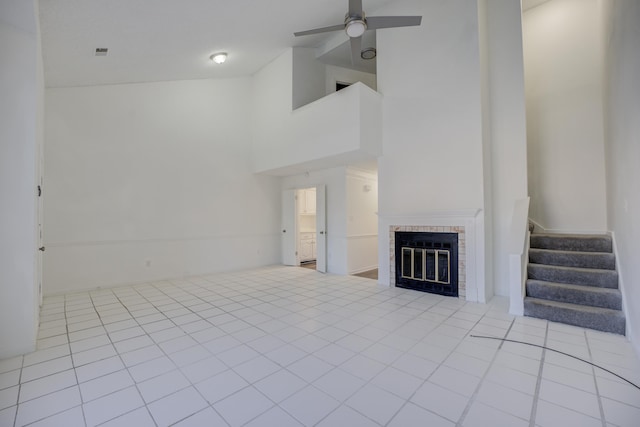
(429, 241)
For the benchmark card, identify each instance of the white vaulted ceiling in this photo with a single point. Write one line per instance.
(157, 40)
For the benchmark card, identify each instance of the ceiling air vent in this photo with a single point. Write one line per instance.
(102, 51)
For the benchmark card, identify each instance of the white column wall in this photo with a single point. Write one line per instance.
(563, 77)
(362, 220)
(432, 127)
(622, 104)
(152, 181)
(20, 129)
(504, 132)
(430, 79)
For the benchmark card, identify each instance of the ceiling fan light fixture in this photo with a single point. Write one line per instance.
(355, 27)
(219, 58)
(368, 53)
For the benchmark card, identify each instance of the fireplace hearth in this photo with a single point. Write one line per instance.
(427, 261)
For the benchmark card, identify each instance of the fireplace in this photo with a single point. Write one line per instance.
(467, 224)
(427, 261)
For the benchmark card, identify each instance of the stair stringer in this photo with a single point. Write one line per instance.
(621, 287)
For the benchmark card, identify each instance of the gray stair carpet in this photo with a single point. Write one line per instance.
(601, 260)
(574, 275)
(572, 280)
(572, 242)
(601, 319)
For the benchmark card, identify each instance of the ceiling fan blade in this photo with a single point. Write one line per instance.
(376, 22)
(355, 7)
(320, 30)
(356, 48)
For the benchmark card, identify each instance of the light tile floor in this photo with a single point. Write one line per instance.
(282, 346)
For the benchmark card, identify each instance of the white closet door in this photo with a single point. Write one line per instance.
(288, 230)
(321, 229)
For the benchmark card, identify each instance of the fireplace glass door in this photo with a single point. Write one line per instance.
(427, 262)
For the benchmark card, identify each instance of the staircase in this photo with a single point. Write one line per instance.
(572, 279)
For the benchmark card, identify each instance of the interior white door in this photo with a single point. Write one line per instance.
(39, 206)
(288, 231)
(321, 229)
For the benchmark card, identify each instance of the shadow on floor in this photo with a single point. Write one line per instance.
(308, 264)
(371, 274)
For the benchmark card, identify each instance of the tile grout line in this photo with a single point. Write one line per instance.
(49, 375)
(126, 368)
(134, 318)
(15, 416)
(166, 354)
(595, 383)
(178, 368)
(368, 382)
(472, 399)
(281, 367)
(75, 373)
(95, 310)
(343, 403)
(536, 396)
(443, 360)
(310, 299)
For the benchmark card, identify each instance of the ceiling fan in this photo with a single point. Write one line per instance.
(356, 23)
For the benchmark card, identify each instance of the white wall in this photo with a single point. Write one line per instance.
(312, 79)
(335, 130)
(504, 131)
(563, 76)
(486, 114)
(334, 180)
(151, 181)
(20, 113)
(432, 131)
(308, 77)
(429, 77)
(622, 104)
(362, 220)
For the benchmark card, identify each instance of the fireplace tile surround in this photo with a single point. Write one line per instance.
(467, 223)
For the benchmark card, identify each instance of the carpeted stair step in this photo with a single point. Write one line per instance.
(572, 242)
(601, 319)
(574, 276)
(600, 260)
(575, 294)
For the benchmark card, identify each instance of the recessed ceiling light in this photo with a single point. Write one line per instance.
(219, 58)
(368, 53)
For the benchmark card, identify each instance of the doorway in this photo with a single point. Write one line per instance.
(306, 232)
(304, 238)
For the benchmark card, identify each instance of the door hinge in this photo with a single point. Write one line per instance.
(39, 191)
